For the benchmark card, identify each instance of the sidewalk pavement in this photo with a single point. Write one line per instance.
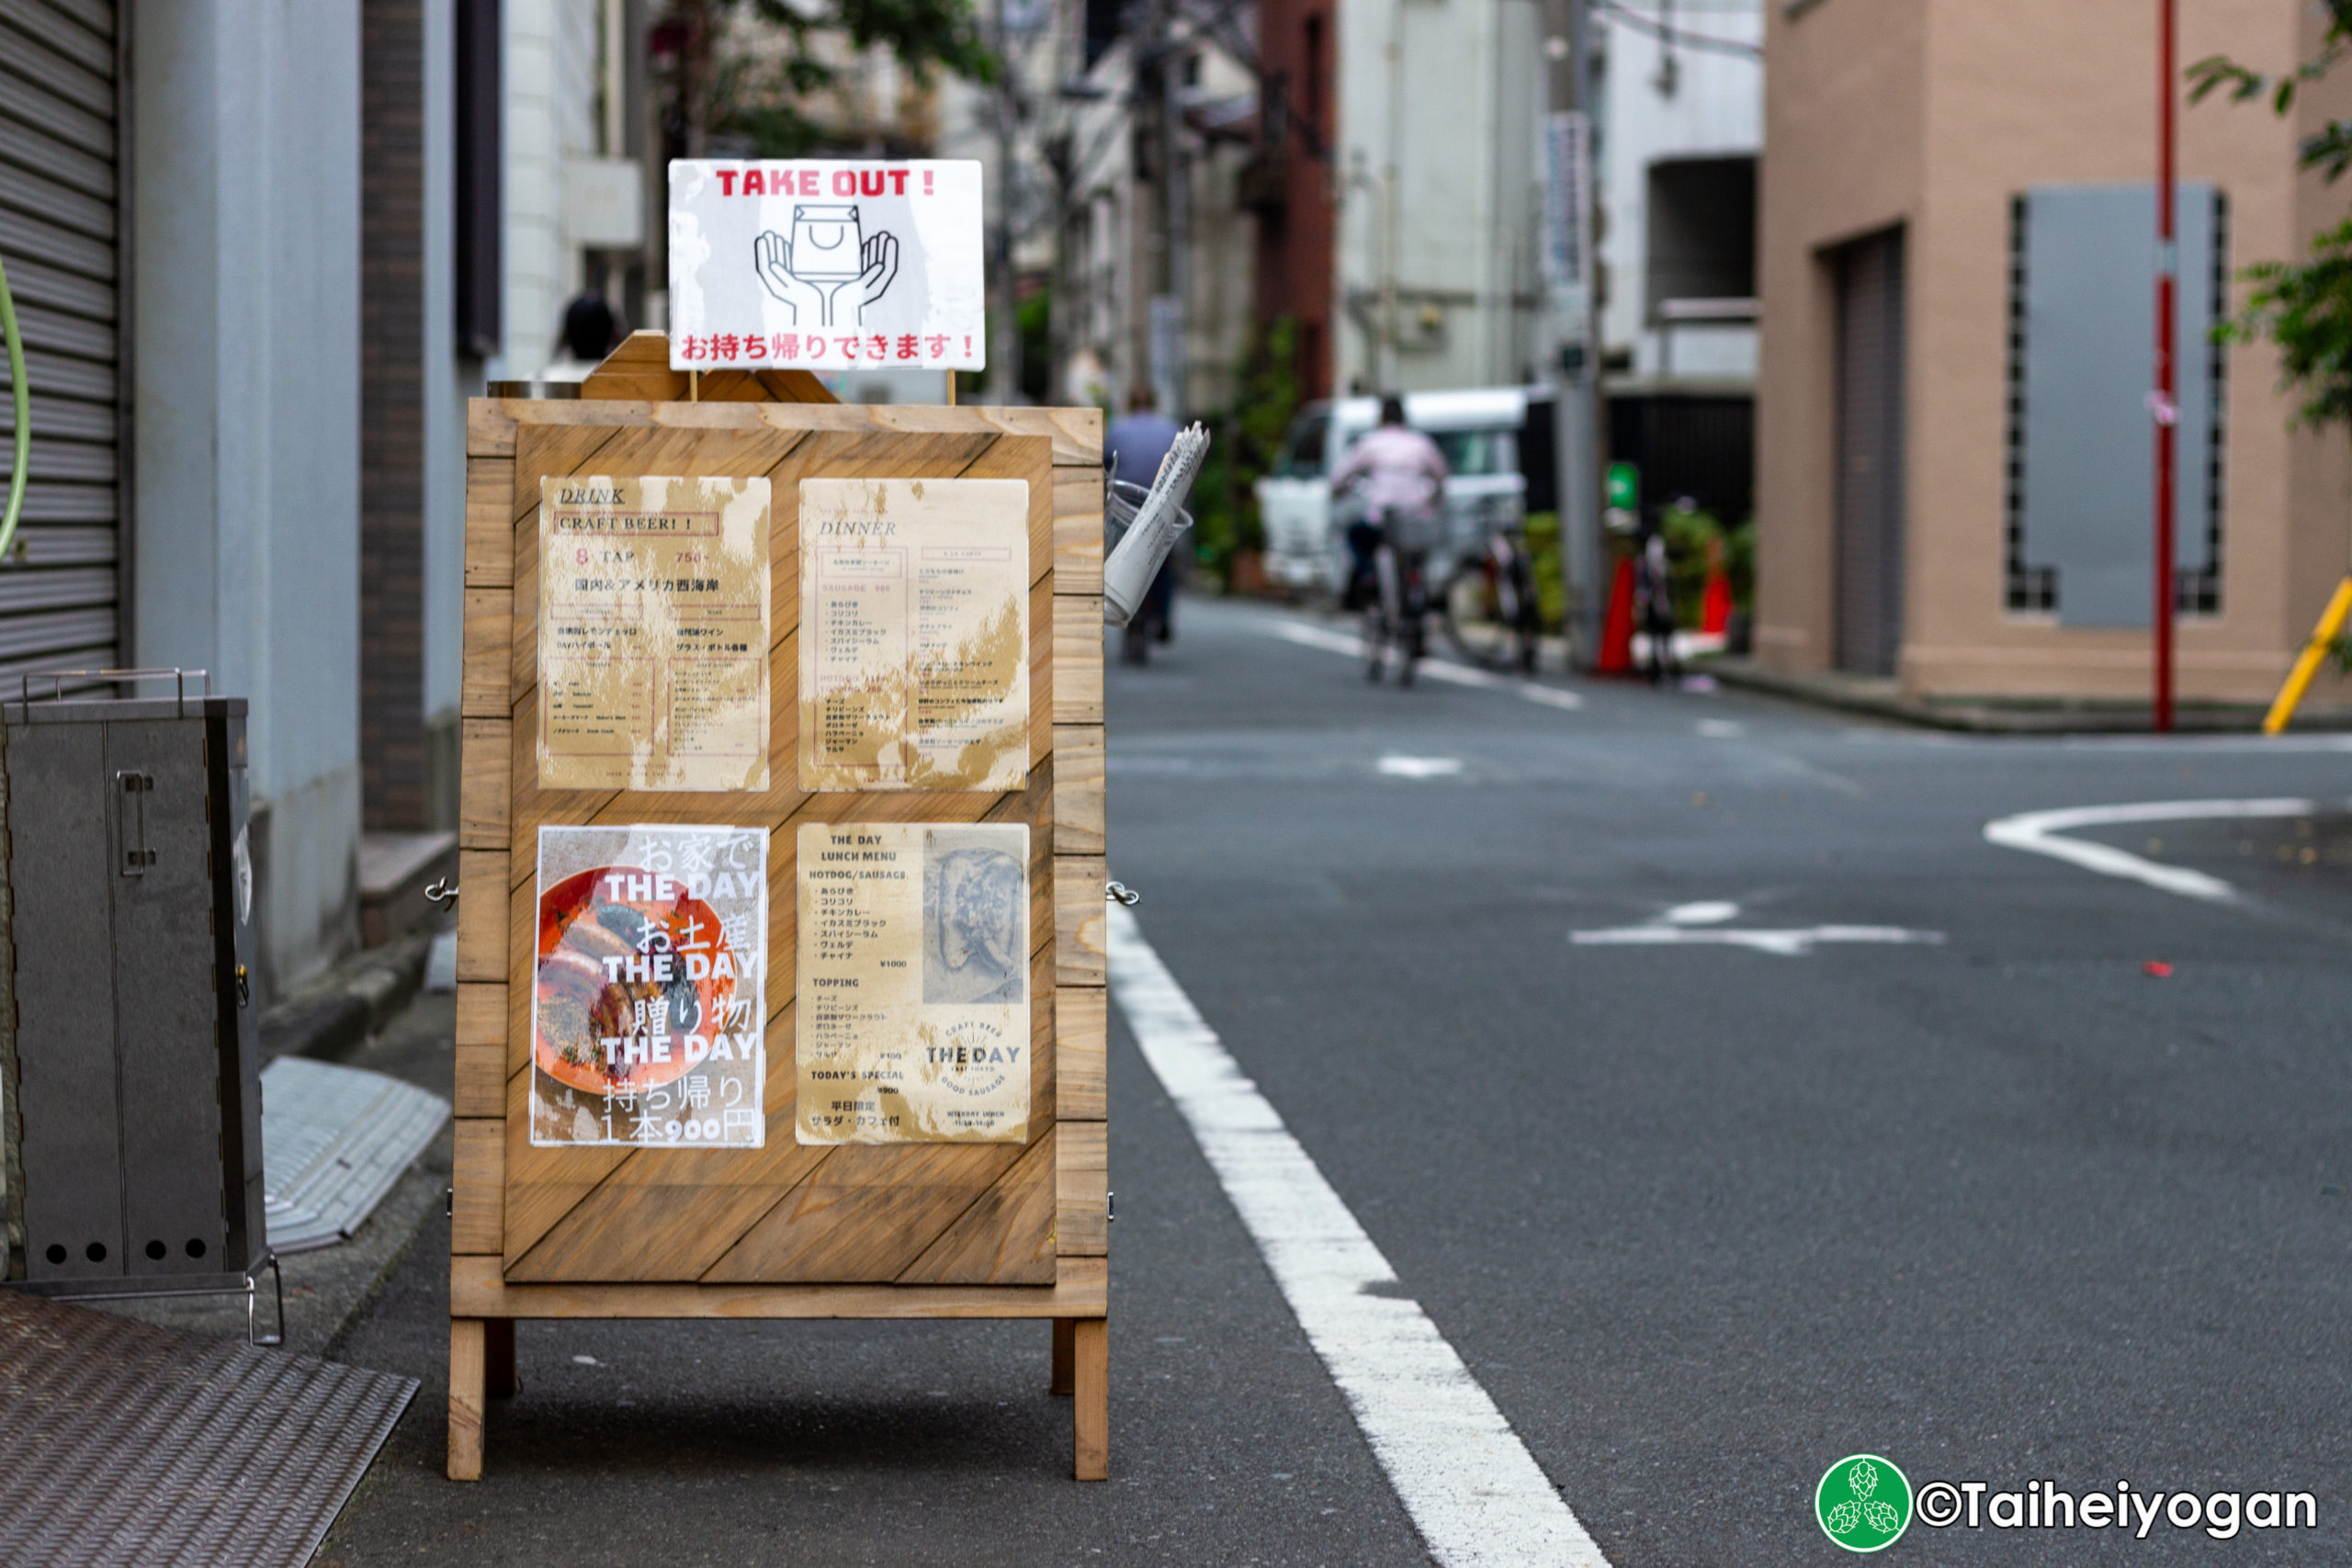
(1882, 697)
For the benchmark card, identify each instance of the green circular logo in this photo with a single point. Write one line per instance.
(1863, 1503)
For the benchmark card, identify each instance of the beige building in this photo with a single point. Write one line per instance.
(1954, 449)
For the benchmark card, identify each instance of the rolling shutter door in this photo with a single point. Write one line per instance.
(59, 234)
(1870, 454)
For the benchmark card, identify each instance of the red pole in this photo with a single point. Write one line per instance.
(2166, 402)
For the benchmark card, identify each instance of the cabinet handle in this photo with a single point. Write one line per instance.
(130, 821)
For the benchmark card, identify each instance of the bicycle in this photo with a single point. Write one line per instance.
(1489, 607)
(1395, 612)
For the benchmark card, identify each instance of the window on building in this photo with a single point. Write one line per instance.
(1701, 239)
(2079, 481)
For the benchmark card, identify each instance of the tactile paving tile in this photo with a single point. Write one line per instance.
(334, 1140)
(125, 1443)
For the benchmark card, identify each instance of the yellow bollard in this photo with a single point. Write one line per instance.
(2298, 680)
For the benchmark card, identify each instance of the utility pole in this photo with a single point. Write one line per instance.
(2166, 404)
(1004, 354)
(1170, 309)
(1571, 360)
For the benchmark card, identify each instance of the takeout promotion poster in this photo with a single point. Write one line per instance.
(931, 208)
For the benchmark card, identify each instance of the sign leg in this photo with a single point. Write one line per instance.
(1065, 1356)
(499, 1381)
(1091, 1413)
(466, 1338)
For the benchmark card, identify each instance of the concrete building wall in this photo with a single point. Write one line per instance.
(245, 154)
(1437, 127)
(1660, 102)
(1934, 117)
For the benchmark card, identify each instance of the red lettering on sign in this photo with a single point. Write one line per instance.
(727, 182)
(844, 182)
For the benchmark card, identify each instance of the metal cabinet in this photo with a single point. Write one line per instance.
(131, 1071)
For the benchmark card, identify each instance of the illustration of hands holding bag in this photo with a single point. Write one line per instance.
(828, 271)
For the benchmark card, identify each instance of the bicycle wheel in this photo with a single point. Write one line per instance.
(1474, 619)
(1375, 637)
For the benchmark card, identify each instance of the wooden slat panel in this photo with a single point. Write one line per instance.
(1044, 1066)
(866, 1213)
(478, 1289)
(1081, 1034)
(481, 915)
(854, 1214)
(492, 424)
(481, 1015)
(482, 1080)
(544, 1184)
(1078, 531)
(1083, 1186)
(1005, 1238)
(1078, 789)
(485, 783)
(489, 614)
(670, 1214)
(1078, 658)
(490, 523)
(477, 1175)
(1079, 920)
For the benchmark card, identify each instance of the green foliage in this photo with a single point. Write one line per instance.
(1543, 532)
(1247, 438)
(2329, 148)
(764, 100)
(2305, 307)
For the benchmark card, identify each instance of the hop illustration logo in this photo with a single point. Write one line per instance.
(1863, 1503)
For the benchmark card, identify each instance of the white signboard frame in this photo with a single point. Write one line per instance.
(826, 265)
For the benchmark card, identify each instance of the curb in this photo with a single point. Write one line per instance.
(2056, 718)
(332, 1016)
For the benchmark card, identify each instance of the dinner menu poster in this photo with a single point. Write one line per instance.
(914, 634)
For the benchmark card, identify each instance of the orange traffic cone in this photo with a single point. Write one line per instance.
(1714, 600)
(1616, 652)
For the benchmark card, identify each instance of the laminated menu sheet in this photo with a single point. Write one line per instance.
(647, 1023)
(914, 634)
(653, 633)
(913, 983)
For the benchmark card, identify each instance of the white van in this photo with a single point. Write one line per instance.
(1488, 440)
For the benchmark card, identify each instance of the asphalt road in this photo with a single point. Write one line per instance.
(1702, 1218)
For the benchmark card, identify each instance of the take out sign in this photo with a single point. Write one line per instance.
(823, 264)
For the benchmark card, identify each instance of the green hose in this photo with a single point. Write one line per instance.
(24, 417)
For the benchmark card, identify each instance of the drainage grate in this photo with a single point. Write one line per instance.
(126, 1443)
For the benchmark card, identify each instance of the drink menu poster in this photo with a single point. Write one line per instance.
(914, 634)
(653, 633)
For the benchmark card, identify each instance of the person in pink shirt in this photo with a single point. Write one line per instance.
(1400, 476)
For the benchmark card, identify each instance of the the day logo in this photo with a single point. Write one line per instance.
(1863, 1503)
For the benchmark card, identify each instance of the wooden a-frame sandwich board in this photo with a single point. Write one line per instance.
(783, 1231)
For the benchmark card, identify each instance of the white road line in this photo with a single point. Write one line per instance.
(1398, 767)
(1429, 669)
(2039, 833)
(1473, 1490)
(1793, 942)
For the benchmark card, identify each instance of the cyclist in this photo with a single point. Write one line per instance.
(1402, 475)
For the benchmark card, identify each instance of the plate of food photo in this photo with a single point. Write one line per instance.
(586, 994)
